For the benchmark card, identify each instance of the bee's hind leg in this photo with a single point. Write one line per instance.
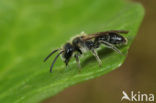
(109, 45)
(94, 52)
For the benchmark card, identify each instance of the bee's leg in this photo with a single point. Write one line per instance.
(92, 46)
(96, 56)
(109, 45)
(66, 63)
(77, 60)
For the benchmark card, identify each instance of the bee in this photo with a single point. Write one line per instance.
(83, 43)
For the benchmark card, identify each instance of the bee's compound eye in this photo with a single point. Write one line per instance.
(71, 49)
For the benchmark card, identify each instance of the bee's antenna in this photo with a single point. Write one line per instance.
(50, 54)
(55, 60)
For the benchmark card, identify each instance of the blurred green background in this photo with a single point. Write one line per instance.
(138, 73)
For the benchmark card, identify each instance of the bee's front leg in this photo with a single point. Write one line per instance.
(77, 60)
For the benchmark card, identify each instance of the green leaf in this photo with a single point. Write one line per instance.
(31, 29)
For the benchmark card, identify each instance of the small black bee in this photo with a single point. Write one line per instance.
(84, 42)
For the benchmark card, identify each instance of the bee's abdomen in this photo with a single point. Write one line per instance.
(116, 39)
(98, 40)
(112, 38)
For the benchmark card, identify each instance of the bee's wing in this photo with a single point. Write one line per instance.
(91, 36)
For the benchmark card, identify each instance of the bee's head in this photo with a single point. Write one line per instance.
(68, 52)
